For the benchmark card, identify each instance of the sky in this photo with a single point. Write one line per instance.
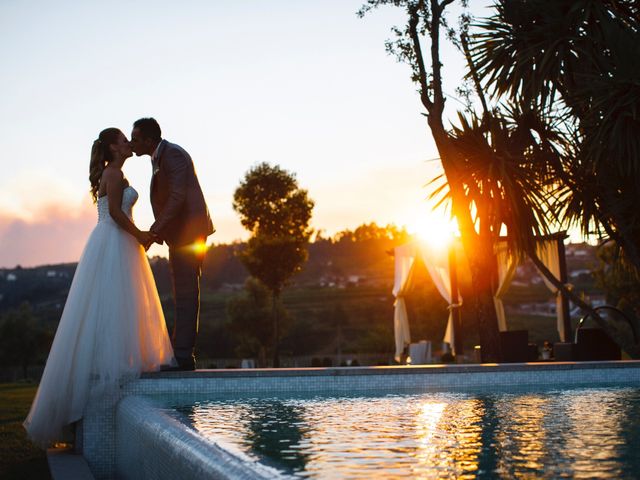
(306, 85)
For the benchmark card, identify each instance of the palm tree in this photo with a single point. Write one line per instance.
(493, 167)
(579, 61)
(504, 169)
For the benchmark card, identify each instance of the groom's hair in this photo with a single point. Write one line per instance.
(149, 128)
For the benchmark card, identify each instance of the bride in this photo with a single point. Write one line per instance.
(112, 326)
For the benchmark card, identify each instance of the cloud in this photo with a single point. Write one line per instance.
(33, 235)
(55, 234)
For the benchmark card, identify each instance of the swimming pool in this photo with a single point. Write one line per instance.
(569, 433)
(136, 436)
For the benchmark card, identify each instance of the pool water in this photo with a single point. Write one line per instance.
(576, 433)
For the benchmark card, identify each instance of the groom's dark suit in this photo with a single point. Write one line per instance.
(182, 219)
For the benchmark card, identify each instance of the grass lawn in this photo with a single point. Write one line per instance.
(19, 459)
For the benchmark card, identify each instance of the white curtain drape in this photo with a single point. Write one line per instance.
(404, 262)
(547, 252)
(507, 265)
(437, 263)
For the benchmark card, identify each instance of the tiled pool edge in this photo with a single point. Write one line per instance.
(164, 448)
(99, 423)
(397, 369)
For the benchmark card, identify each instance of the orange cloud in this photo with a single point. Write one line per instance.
(55, 234)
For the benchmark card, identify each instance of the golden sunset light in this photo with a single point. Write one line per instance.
(350, 239)
(342, 147)
(434, 228)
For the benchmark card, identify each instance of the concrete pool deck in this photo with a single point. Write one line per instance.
(98, 431)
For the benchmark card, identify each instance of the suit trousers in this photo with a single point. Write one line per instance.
(186, 269)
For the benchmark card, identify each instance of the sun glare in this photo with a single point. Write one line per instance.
(437, 231)
(199, 247)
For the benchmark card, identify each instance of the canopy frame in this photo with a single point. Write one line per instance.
(444, 274)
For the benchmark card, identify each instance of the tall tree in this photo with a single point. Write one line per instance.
(425, 22)
(502, 168)
(277, 212)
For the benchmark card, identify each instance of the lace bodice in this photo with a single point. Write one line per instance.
(129, 198)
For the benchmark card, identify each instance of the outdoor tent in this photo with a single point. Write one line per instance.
(438, 262)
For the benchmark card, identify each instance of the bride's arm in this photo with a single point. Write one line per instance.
(115, 187)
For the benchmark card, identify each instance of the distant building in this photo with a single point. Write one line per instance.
(545, 309)
(579, 272)
(230, 287)
(11, 277)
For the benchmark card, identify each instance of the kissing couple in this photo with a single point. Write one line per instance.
(112, 327)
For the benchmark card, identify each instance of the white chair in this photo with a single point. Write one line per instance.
(248, 363)
(420, 353)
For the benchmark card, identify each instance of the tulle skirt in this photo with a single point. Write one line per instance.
(112, 328)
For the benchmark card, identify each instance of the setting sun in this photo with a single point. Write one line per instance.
(436, 230)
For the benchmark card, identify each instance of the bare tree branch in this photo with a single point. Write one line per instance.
(436, 66)
(414, 19)
(474, 73)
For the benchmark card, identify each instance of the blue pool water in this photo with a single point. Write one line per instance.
(573, 433)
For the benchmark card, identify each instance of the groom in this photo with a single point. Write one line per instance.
(182, 220)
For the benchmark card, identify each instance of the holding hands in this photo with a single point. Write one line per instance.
(147, 239)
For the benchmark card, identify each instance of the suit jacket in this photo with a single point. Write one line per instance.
(178, 204)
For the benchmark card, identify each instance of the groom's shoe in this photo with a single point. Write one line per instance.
(187, 363)
(170, 368)
(186, 367)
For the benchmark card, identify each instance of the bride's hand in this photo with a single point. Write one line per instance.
(145, 239)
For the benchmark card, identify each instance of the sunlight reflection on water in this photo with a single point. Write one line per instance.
(587, 433)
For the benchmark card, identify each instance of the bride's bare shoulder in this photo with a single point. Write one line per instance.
(112, 174)
(111, 177)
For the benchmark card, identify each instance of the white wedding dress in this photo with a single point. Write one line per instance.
(112, 328)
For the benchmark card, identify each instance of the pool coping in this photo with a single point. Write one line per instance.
(392, 370)
(147, 440)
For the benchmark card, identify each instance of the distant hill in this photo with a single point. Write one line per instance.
(352, 258)
(347, 279)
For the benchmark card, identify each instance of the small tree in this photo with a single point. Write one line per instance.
(250, 317)
(340, 319)
(277, 212)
